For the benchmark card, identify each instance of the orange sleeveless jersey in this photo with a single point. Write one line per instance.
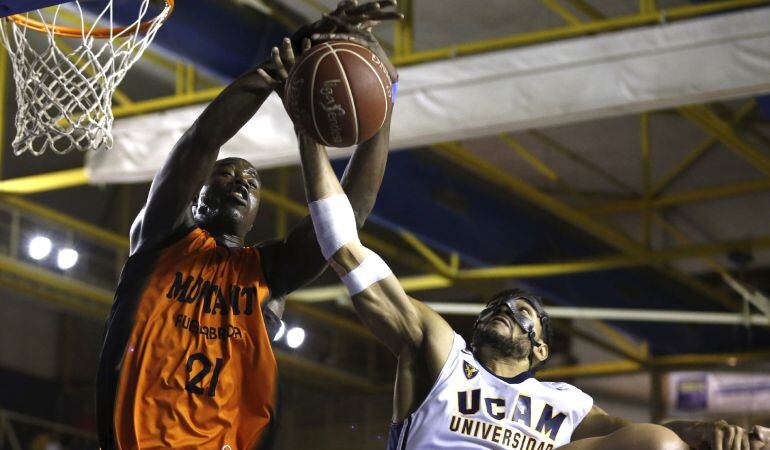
(196, 370)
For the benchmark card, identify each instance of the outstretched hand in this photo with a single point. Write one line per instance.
(720, 435)
(283, 61)
(354, 23)
(350, 16)
(759, 438)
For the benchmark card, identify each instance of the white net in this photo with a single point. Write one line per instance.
(66, 76)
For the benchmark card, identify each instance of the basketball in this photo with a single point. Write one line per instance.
(339, 93)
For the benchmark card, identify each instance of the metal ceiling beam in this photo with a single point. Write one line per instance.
(591, 370)
(718, 128)
(341, 323)
(3, 81)
(562, 12)
(619, 314)
(463, 158)
(95, 302)
(604, 343)
(584, 7)
(294, 364)
(104, 236)
(696, 153)
(647, 6)
(168, 102)
(582, 161)
(282, 218)
(610, 24)
(541, 166)
(47, 280)
(682, 198)
(78, 177)
(756, 298)
(49, 294)
(44, 182)
(621, 340)
(727, 359)
(428, 282)
(121, 242)
(530, 158)
(332, 292)
(308, 371)
(385, 248)
(428, 253)
(624, 367)
(646, 176)
(610, 262)
(403, 30)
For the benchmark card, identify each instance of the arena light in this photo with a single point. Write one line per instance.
(39, 247)
(281, 331)
(295, 337)
(67, 258)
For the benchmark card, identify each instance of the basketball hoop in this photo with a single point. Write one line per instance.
(65, 81)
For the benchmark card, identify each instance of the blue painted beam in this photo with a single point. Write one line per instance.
(10, 7)
(223, 39)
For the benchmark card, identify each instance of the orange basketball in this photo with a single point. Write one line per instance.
(339, 93)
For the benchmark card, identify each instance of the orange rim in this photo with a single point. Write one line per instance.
(101, 33)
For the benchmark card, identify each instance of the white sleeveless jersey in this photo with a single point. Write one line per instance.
(469, 408)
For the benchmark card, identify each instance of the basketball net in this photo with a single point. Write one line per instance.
(66, 76)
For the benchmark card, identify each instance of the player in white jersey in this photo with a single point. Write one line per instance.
(450, 395)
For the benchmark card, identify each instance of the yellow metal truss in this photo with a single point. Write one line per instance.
(696, 153)
(563, 12)
(576, 29)
(463, 158)
(404, 38)
(646, 181)
(683, 198)
(672, 362)
(724, 132)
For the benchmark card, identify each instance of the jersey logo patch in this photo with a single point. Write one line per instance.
(469, 370)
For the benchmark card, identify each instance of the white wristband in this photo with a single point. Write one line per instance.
(371, 270)
(334, 223)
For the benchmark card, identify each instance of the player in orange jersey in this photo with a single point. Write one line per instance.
(186, 361)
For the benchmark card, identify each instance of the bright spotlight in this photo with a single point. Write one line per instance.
(67, 258)
(39, 247)
(281, 331)
(295, 337)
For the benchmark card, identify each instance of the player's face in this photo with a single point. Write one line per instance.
(230, 194)
(497, 329)
(501, 320)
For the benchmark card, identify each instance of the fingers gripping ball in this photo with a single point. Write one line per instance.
(339, 93)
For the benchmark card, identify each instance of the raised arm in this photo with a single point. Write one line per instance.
(417, 335)
(405, 325)
(193, 157)
(294, 261)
